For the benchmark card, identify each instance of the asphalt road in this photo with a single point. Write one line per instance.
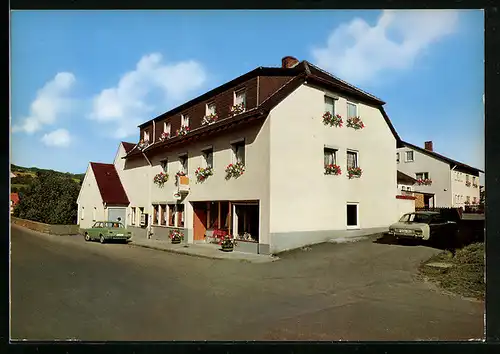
(64, 288)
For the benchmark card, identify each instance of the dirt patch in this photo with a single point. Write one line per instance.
(464, 273)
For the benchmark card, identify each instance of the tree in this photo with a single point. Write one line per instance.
(50, 199)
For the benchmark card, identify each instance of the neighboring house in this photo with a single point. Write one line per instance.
(441, 181)
(270, 121)
(14, 200)
(102, 196)
(12, 175)
(404, 194)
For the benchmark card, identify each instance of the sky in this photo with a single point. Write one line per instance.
(81, 81)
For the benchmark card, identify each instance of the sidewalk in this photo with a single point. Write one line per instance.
(202, 250)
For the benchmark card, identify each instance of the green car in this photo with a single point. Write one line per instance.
(107, 230)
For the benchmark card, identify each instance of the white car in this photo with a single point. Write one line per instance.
(423, 225)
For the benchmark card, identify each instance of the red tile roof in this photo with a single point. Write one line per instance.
(128, 146)
(14, 197)
(109, 183)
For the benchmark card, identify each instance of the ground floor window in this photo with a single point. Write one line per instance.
(133, 216)
(352, 215)
(180, 215)
(246, 222)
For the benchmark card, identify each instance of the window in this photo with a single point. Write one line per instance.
(156, 217)
(211, 108)
(163, 215)
(329, 105)
(180, 215)
(474, 200)
(467, 199)
(352, 159)
(183, 159)
(240, 97)
(145, 136)
(208, 155)
(422, 175)
(352, 110)
(133, 216)
(94, 213)
(409, 156)
(171, 215)
(397, 157)
(330, 157)
(83, 213)
(164, 165)
(166, 128)
(239, 152)
(474, 181)
(467, 178)
(352, 216)
(185, 120)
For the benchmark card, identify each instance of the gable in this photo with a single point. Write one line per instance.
(109, 184)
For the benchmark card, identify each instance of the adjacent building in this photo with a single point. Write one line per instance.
(441, 181)
(279, 157)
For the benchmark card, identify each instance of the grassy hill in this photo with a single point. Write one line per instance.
(25, 175)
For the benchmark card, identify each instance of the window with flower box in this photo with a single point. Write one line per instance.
(185, 120)
(167, 128)
(238, 148)
(164, 165)
(145, 136)
(208, 157)
(183, 160)
(330, 105)
(422, 175)
(240, 98)
(211, 108)
(352, 110)
(352, 159)
(330, 161)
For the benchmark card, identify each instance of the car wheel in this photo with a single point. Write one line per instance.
(87, 237)
(102, 239)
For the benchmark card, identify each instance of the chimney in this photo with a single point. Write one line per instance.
(289, 62)
(428, 145)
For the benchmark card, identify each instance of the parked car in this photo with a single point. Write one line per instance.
(423, 225)
(107, 230)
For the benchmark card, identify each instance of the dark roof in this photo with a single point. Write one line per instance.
(404, 178)
(128, 146)
(438, 156)
(109, 183)
(302, 72)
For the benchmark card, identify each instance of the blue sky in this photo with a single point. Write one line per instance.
(83, 80)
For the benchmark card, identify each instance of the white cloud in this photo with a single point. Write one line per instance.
(360, 53)
(58, 138)
(51, 101)
(129, 103)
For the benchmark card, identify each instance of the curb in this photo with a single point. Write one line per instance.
(174, 251)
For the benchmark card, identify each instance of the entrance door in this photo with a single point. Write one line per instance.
(115, 213)
(200, 221)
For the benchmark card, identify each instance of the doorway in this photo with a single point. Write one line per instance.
(200, 221)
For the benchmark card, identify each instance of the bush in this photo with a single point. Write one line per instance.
(50, 199)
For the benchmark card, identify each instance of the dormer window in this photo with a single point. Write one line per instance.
(166, 127)
(240, 98)
(145, 136)
(184, 120)
(211, 108)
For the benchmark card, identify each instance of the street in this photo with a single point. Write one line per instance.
(64, 288)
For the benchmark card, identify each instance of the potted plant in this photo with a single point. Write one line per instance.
(142, 144)
(209, 119)
(332, 120)
(176, 236)
(227, 243)
(332, 169)
(203, 173)
(183, 130)
(467, 183)
(424, 182)
(164, 136)
(354, 172)
(177, 175)
(237, 109)
(160, 179)
(235, 170)
(355, 123)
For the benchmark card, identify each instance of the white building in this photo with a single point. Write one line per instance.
(285, 198)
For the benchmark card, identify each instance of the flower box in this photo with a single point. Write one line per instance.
(142, 144)
(235, 170)
(203, 173)
(160, 179)
(176, 236)
(467, 183)
(332, 120)
(354, 172)
(209, 119)
(475, 185)
(164, 136)
(183, 130)
(332, 169)
(424, 182)
(237, 109)
(355, 123)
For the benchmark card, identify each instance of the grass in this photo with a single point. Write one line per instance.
(465, 277)
(19, 186)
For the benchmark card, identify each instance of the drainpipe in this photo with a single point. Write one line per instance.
(154, 131)
(451, 183)
(148, 230)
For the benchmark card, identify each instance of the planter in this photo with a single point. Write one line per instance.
(355, 123)
(176, 241)
(227, 249)
(332, 121)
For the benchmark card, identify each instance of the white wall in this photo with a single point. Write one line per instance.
(404, 206)
(458, 187)
(89, 198)
(302, 197)
(439, 173)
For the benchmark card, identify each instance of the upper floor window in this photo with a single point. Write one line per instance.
(352, 159)
(238, 151)
(240, 97)
(474, 180)
(330, 105)
(164, 165)
(467, 199)
(208, 156)
(409, 156)
(145, 135)
(166, 128)
(422, 175)
(352, 110)
(211, 108)
(183, 159)
(467, 178)
(330, 157)
(397, 157)
(185, 120)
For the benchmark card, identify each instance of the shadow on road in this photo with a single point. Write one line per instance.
(440, 244)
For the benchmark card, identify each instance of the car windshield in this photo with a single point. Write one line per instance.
(114, 225)
(413, 217)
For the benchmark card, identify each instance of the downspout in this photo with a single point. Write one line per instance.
(154, 131)
(148, 230)
(258, 86)
(451, 183)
